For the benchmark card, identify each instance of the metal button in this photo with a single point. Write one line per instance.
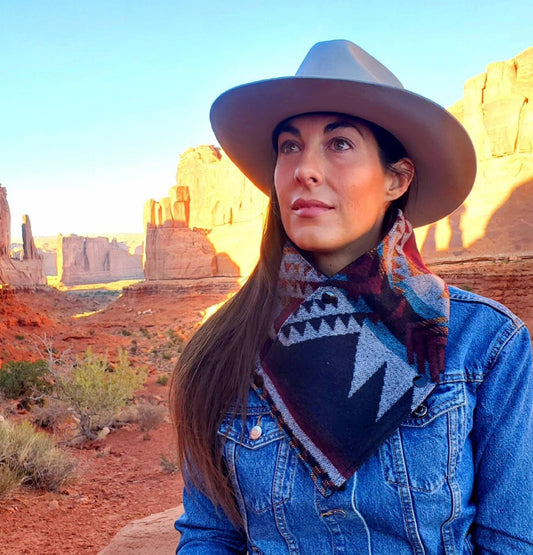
(329, 298)
(420, 381)
(420, 411)
(255, 433)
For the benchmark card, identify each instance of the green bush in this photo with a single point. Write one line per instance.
(31, 458)
(23, 380)
(95, 390)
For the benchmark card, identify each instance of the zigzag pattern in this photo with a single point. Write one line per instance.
(314, 318)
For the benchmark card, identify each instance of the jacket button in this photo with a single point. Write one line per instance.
(329, 298)
(420, 411)
(255, 433)
(420, 381)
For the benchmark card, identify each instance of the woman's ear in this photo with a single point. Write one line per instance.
(400, 176)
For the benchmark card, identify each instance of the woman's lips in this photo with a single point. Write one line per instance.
(309, 208)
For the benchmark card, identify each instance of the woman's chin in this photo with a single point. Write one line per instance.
(312, 244)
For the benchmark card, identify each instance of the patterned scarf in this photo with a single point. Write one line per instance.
(352, 355)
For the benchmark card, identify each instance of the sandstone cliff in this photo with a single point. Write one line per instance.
(29, 250)
(82, 260)
(497, 217)
(5, 223)
(29, 270)
(209, 225)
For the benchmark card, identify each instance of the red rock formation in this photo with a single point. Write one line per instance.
(29, 251)
(177, 252)
(26, 272)
(5, 223)
(497, 217)
(83, 260)
(209, 225)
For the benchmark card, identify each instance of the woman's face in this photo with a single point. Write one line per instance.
(332, 188)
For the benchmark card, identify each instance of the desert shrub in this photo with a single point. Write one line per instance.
(32, 457)
(9, 480)
(150, 416)
(51, 414)
(133, 347)
(145, 332)
(162, 379)
(168, 466)
(127, 415)
(23, 380)
(176, 340)
(95, 390)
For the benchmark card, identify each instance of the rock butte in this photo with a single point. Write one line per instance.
(209, 225)
(82, 260)
(29, 270)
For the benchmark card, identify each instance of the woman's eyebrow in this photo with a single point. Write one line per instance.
(341, 123)
(288, 128)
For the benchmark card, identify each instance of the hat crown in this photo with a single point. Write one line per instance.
(341, 59)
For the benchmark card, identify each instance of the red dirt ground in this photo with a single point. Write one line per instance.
(121, 478)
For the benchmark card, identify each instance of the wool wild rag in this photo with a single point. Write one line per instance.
(352, 355)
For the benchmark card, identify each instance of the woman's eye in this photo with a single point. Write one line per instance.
(288, 147)
(340, 144)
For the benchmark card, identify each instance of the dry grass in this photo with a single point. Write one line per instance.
(52, 415)
(150, 416)
(9, 480)
(32, 458)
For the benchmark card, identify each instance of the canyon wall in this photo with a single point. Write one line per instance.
(497, 217)
(29, 270)
(209, 225)
(83, 260)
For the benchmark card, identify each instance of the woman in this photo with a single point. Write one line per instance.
(346, 400)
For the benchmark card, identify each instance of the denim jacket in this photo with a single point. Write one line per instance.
(455, 478)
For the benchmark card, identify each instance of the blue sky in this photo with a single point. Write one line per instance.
(99, 98)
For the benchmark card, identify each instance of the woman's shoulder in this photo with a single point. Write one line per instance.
(480, 329)
(467, 303)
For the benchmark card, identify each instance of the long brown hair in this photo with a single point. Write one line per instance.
(215, 371)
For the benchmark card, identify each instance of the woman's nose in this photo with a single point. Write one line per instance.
(309, 170)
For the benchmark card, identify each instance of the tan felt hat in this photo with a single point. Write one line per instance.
(338, 76)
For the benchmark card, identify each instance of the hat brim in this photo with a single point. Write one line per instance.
(244, 118)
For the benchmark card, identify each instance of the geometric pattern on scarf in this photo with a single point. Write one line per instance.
(352, 355)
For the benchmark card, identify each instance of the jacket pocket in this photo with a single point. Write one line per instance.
(422, 452)
(259, 460)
